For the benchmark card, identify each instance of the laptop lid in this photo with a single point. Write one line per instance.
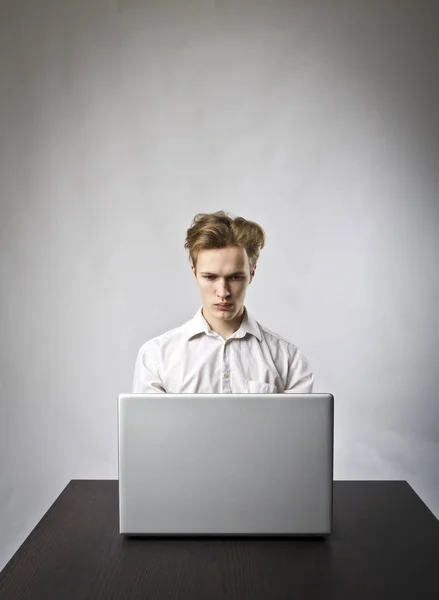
(225, 464)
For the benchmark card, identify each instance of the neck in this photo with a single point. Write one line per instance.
(225, 328)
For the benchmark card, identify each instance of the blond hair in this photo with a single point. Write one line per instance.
(218, 230)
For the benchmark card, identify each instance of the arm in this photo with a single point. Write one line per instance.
(300, 379)
(146, 379)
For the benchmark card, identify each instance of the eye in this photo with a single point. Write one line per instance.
(209, 277)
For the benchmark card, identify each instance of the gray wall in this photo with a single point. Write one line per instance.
(120, 121)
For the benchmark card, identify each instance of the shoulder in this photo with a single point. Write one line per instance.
(271, 335)
(159, 343)
(274, 339)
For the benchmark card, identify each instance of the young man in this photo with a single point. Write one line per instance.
(222, 349)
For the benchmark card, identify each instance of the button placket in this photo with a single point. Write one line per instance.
(226, 369)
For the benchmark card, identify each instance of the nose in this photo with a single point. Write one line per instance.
(222, 292)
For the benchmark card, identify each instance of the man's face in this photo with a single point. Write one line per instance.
(223, 275)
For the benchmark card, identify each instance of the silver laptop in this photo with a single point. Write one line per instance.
(225, 464)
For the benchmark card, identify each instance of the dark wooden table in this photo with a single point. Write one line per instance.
(385, 545)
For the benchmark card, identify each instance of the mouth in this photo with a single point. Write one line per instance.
(224, 306)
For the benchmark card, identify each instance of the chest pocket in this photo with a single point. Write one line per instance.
(259, 387)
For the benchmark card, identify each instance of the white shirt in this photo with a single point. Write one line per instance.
(194, 359)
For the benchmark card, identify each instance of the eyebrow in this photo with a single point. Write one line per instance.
(231, 275)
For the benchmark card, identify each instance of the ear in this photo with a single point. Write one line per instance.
(193, 271)
(252, 274)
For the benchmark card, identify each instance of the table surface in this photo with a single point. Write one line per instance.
(385, 544)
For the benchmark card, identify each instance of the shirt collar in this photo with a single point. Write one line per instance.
(198, 324)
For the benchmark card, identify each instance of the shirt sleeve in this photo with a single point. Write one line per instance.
(300, 379)
(146, 379)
